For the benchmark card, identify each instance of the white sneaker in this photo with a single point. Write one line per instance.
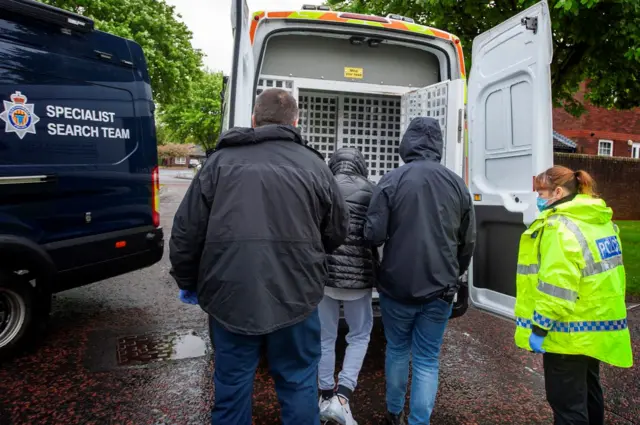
(323, 404)
(338, 413)
(348, 417)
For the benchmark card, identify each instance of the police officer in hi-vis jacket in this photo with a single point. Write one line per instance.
(570, 302)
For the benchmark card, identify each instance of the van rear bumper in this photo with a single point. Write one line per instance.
(90, 259)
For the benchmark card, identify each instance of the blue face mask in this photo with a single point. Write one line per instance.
(542, 203)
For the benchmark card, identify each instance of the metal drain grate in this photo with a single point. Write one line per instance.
(152, 348)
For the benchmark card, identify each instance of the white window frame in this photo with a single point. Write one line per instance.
(180, 160)
(635, 150)
(603, 144)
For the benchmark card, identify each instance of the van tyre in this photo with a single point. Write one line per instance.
(17, 319)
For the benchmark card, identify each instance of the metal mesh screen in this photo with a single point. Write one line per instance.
(426, 102)
(318, 121)
(271, 83)
(372, 124)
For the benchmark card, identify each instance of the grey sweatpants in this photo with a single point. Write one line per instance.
(359, 316)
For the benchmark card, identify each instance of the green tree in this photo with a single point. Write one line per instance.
(594, 40)
(195, 118)
(163, 134)
(153, 24)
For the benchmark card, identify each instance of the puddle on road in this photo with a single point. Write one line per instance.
(153, 348)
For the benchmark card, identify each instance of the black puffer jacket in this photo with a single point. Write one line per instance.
(353, 264)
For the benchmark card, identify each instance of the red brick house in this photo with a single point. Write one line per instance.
(601, 131)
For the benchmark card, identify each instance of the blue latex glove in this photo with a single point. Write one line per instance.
(188, 297)
(535, 341)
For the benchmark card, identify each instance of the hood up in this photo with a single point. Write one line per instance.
(422, 140)
(348, 161)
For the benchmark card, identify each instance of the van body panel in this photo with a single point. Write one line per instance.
(78, 147)
(510, 130)
(509, 111)
(252, 34)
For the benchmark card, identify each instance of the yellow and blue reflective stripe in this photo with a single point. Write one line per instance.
(542, 321)
(583, 326)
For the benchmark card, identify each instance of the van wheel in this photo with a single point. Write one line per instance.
(16, 313)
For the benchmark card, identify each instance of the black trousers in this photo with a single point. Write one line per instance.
(573, 389)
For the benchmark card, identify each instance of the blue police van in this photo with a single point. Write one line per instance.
(79, 184)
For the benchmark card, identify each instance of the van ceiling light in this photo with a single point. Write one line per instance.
(356, 41)
(327, 8)
(362, 17)
(309, 7)
(374, 42)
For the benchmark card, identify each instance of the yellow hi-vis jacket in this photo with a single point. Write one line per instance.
(571, 282)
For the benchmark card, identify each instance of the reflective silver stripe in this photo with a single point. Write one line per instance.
(584, 245)
(530, 269)
(22, 179)
(591, 266)
(556, 291)
(603, 266)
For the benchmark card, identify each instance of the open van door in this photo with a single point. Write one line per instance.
(242, 78)
(510, 130)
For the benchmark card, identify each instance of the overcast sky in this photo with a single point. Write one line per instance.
(210, 22)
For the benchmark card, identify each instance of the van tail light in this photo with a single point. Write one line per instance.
(155, 195)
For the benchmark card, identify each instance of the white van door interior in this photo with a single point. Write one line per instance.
(510, 131)
(243, 68)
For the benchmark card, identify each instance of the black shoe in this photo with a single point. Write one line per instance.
(396, 419)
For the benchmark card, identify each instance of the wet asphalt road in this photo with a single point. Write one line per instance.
(85, 370)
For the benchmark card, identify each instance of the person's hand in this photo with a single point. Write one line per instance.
(461, 305)
(535, 341)
(188, 297)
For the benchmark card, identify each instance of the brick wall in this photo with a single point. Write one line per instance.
(589, 145)
(599, 123)
(617, 180)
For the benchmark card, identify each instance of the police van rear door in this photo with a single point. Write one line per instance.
(242, 79)
(510, 130)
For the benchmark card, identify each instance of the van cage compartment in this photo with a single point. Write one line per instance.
(372, 123)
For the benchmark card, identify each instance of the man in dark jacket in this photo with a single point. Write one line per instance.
(351, 280)
(250, 239)
(423, 213)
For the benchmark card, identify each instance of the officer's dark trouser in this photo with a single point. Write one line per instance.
(573, 389)
(293, 354)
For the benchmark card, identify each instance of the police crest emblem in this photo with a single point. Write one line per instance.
(18, 116)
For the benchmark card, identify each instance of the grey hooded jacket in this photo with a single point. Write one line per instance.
(423, 214)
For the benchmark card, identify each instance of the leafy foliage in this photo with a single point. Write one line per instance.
(173, 150)
(195, 117)
(163, 136)
(594, 40)
(166, 42)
